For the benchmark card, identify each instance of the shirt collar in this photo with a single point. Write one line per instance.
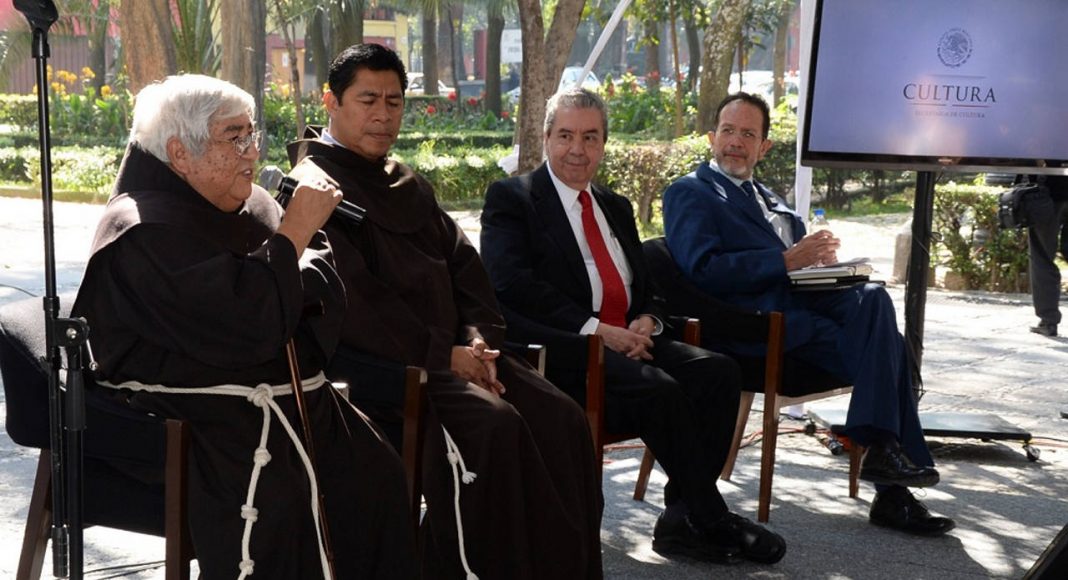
(568, 195)
(328, 138)
(734, 180)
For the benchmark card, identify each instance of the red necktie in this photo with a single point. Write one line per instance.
(613, 294)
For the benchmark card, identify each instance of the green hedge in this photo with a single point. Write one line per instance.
(974, 246)
(18, 111)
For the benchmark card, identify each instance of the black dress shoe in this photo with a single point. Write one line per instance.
(1045, 329)
(676, 534)
(756, 543)
(887, 465)
(896, 508)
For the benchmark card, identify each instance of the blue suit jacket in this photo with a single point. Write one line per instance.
(722, 242)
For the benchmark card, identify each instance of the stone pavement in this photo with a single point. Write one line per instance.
(979, 358)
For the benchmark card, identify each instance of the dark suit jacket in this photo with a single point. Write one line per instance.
(724, 245)
(534, 262)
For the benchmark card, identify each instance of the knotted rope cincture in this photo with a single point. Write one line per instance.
(261, 396)
(459, 473)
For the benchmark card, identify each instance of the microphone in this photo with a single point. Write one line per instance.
(273, 179)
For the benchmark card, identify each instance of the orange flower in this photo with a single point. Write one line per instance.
(105, 91)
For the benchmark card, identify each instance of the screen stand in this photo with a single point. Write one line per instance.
(935, 424)
(941, 424)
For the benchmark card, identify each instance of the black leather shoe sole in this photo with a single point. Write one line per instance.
(668, 547)
(919, 480)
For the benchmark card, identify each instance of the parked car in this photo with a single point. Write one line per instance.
(415, 85)
(569, 78)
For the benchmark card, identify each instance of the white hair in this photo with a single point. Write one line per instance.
(184, 106)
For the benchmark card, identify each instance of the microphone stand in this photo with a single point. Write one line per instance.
(66, 407)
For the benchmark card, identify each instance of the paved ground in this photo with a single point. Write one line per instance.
(979, 359)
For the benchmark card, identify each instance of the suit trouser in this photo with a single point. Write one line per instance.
(683, 405)
(855, 337)
(1048, 219)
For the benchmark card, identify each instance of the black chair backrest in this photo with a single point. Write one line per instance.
(124, 448)
(719, 319)
(723, 323)
(24, 373)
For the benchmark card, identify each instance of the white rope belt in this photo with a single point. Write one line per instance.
(459, 473)
(261, 396)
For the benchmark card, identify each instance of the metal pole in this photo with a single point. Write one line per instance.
(66, 412)
(919, 263)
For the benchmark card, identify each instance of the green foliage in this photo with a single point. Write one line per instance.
(441, 114)
(13, 164)
(194, 40)
(461, 176)
(448, 141)
(78, 113)
(18, 110)
(105, 117)
(635, 110)
(280, 116)
(642, 171)
(966, 226)
(89, 170)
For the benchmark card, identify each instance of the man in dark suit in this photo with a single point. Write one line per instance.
(565, 259)
(736, 240)
(1048, 216)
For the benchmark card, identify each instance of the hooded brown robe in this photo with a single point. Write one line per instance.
(416, 288)
(181, 294)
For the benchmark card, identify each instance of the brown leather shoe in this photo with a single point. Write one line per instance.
(888, 465)
(897, 508)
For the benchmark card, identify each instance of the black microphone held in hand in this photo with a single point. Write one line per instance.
(273, 179)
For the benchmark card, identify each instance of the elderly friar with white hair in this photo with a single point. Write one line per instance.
(197, 282)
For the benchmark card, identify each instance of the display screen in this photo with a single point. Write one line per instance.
(931, 84)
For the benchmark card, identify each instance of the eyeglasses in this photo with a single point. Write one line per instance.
(242, 143)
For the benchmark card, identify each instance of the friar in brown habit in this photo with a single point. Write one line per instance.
(418, 295)
(195, 285)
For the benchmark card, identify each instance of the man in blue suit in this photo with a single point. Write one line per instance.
(736, 240)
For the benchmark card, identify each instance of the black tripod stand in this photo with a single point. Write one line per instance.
(66, 405)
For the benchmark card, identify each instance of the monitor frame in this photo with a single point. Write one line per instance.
(935, 163)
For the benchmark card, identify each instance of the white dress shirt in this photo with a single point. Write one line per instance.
(782, 225)
(573, 209)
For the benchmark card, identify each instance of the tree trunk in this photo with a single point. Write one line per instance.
(430, 51)
(782, 29)
(98, 42)
(456, 36)
(693, 44)
(244, 57)
(288, 32)
(652, 55)
(544, 58)
(721, 38)
(494, 32)
(317, 45)
(445, 48)
(148, 41)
